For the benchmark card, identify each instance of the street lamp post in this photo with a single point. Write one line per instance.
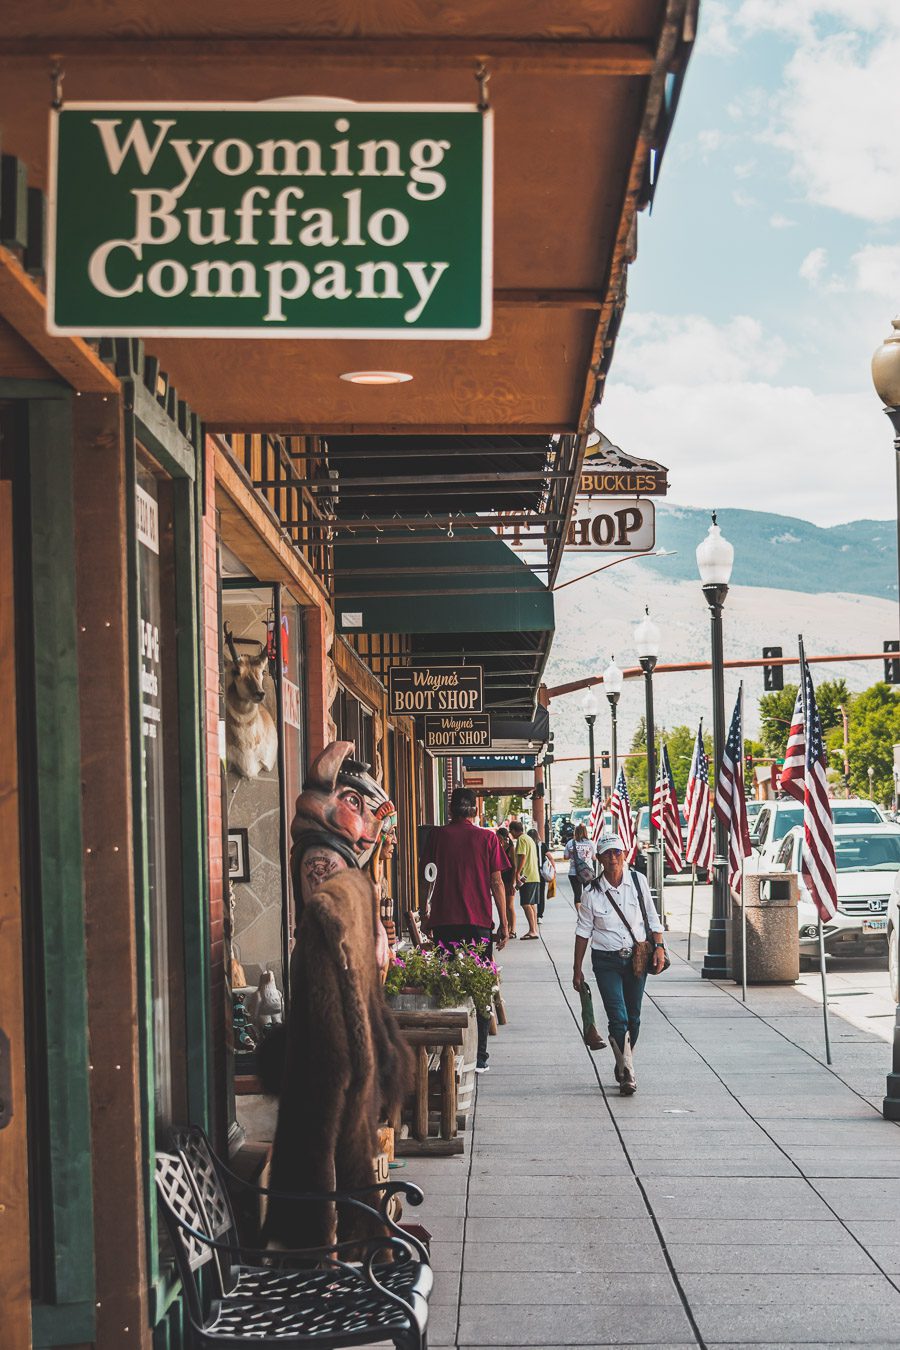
(715, 558)
(646, 640)
(886, 378)
(612, 683)
(589, 709)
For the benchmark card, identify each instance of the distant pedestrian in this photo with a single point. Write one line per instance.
(508, 876)
(580, 850)
(469, 863)
(528, 876)
(618, 918)
(542, 880)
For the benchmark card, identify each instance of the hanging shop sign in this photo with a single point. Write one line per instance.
(299, 218)
(601, 482)
(483, 763)
(435, 689)
(609, 471)
(454, 732)
(613, 525)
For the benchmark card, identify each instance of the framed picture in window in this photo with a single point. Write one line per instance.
(238, 855)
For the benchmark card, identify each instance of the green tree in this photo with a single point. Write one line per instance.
(874, 729)
(577, 796)
(492, 810)
(776, 709)
(775, 719)
(679, 742)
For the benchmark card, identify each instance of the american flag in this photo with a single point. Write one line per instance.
(699, 846)
(793, 772)
(731, 805)
(595, 819)
(665, 814)
(620, 807)
(818, 865)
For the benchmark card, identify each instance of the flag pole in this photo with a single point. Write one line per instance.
(743, 860)
(661, 845)
(822, 969)
(691, 914)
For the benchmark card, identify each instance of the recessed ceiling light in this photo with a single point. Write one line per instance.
(376, 376)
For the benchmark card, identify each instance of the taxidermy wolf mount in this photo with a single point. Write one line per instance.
(250, 735)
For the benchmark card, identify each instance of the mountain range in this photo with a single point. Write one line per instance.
(837, 586)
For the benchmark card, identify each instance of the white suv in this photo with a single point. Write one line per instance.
(775, 818)
(868, 865)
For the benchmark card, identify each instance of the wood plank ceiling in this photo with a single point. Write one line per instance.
(581, 91)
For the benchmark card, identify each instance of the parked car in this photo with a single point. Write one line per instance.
(893, 938)
(643, 833)
(868, 873)
(775, 818)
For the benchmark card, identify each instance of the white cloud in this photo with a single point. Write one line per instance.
(800, 18)
(812, 268)
(836, 115)
(743, 199)
(779, 222)
(877, 271)
(759, 445)
(746, 169)
(656, 349)
(710, 141)
(714, 32)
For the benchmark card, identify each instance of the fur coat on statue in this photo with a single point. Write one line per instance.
(347, 1066)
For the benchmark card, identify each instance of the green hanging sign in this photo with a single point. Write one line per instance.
(300, 218)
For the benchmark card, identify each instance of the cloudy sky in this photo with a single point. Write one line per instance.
(770, 268)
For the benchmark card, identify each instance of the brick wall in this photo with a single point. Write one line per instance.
(220, 1016)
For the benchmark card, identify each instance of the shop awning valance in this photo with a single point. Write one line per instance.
(462, 586)
(470, 597)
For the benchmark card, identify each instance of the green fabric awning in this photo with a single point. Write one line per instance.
(472, 584)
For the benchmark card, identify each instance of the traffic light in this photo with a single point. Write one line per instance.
(773, 676)
(548, 754)
(604, 759)
(892, 663)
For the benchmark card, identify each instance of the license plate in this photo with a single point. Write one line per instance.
(874, 925)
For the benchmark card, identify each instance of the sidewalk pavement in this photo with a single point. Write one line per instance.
(746, 1196)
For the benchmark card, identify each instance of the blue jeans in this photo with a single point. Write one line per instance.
(621, 991)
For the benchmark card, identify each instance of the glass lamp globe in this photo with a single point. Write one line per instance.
(613, 678)
(715, 557)
(886, 368)
(647, 637)
(589, 705)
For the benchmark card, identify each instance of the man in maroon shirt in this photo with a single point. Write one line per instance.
(469, 863)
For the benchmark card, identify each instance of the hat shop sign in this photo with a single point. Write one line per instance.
(299, 218)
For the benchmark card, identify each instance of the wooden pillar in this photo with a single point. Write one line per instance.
(315, 659)
(117, 1128)
(14, 1221)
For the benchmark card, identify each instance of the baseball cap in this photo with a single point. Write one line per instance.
(609, 841)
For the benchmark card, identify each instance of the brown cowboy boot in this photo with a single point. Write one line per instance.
(629, 1082)
(593, 1040)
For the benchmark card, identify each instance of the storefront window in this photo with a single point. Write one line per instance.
(160, 786)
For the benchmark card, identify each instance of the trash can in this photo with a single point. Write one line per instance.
(773, 937)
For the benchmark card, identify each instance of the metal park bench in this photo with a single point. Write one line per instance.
(352, 1293)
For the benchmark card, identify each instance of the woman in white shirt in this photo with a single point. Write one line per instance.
(611, 918)
(580, 850)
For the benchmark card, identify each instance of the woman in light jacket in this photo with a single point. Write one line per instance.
(616, 911)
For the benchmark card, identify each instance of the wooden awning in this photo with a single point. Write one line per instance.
(582, 92)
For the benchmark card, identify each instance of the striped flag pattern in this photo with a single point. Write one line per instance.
(730, 802)
(818, 865)
(699, 845)
(665, 814)
(595, 819)
(620, 807)
(793, 773)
